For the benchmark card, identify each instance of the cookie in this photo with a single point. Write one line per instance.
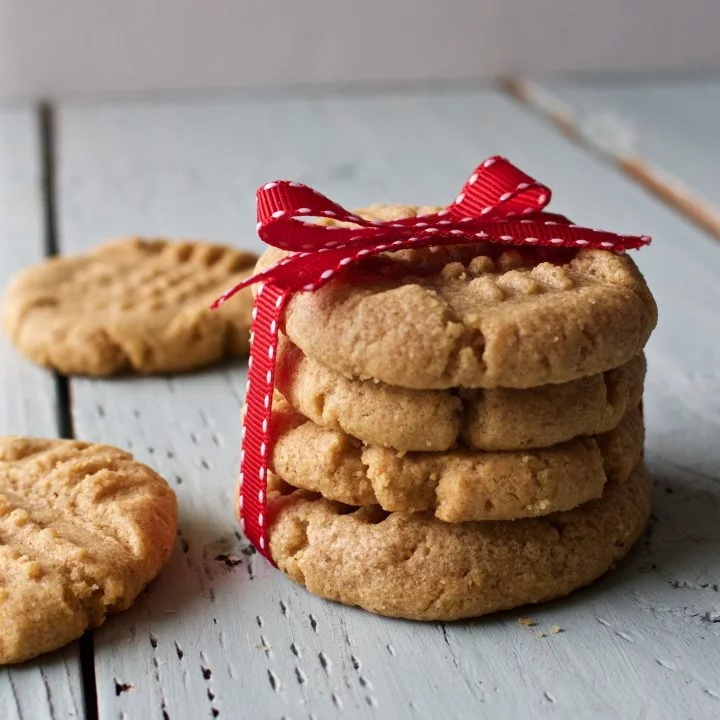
(497, 419)
(130, 305)
(417, 567)
(459, 485)
(474, 316)
(83, 529)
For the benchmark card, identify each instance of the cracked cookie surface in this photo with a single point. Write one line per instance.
(458, 485)
(83, 529)
(417, 567)
(131, 305)
(474, 316)
(435, 420)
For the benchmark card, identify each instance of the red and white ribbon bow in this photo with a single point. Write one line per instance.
(498, 204)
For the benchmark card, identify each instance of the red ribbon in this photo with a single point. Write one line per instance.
(498, 204)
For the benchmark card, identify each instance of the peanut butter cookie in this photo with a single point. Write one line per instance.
(83, 529)
(474, 316)
(434, 420)
(459, 485)
(417, 567)
(130, 305)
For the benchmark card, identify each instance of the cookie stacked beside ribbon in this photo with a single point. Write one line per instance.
(455, 429)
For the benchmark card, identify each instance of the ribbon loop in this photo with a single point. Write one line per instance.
(498, 204)
(498, 188)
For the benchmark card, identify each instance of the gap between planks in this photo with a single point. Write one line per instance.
(48, 160)
(676, 194)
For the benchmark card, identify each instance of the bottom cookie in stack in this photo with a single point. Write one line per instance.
(415, 566)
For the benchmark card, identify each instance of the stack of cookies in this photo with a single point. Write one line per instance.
(458, 430)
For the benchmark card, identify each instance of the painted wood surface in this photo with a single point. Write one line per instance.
(671, 123)
(220, 633)
(28, 401)
(661, 132)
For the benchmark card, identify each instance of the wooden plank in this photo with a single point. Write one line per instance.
(660, 132)
(50, 687)
(672, 123)
(207, 636)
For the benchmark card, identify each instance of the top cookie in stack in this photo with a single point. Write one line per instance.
(464, 317)
(481, 396)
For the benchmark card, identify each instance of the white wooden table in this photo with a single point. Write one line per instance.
(220, 633)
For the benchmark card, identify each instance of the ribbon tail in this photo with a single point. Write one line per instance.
(252, 501)
(268, 274)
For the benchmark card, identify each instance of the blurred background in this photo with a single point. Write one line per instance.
(87, 47)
